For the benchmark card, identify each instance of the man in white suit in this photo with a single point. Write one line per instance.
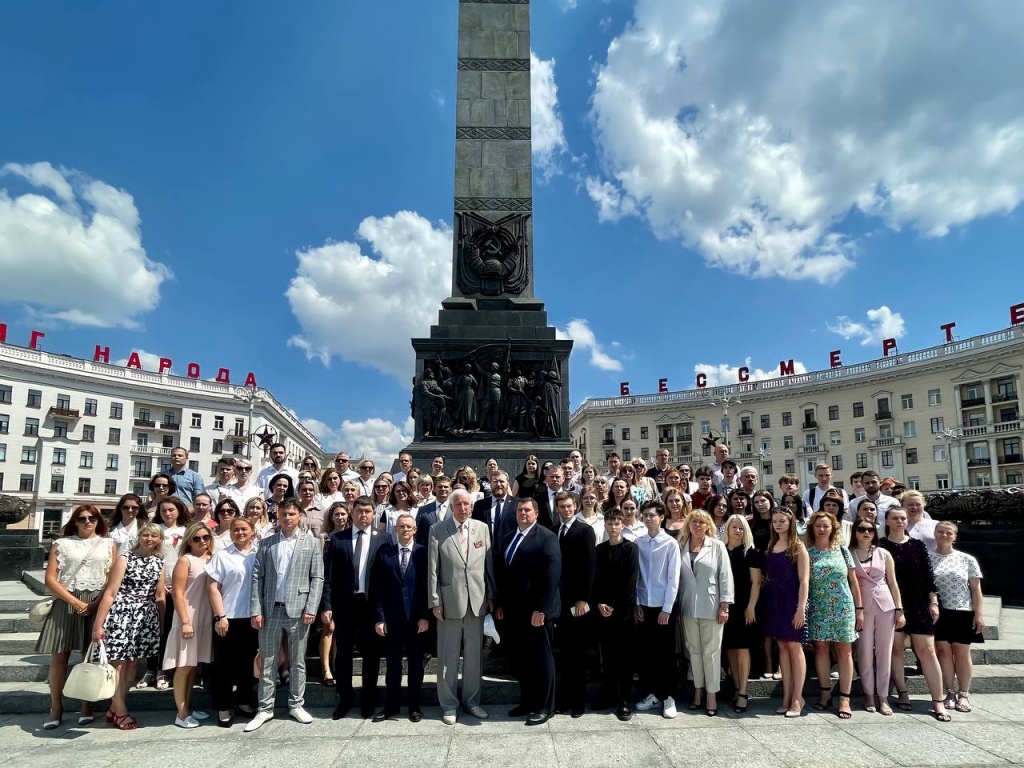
(460, 592)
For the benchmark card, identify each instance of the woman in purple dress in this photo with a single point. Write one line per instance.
(787, 572)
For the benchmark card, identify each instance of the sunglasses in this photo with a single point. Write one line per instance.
(204, 537)
(129, 509)
(226, 511)
(161, 485)
(88, 518)
(863, 529)
(243, 469)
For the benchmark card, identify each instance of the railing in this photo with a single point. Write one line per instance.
(172, 426)
(746, 432)
(608, 442)
(1011, 458)
(152, 450)
(885, 442)
(1005, 397)
(810, 424)
(145, 423)
(1007, 426)
(972, 401)
(980, 462)
(883, 416)
(811, 449)
(67, 413)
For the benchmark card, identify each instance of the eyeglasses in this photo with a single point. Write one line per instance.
(382, 487)
(243, 469)
(132, 508)
(226, 511)
(341, 461)
(161, 485)
(88, 518)
(204, 537)
(864, 529)
(309, 466)
(366, 469)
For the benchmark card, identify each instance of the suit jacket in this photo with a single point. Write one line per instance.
(457, 583)
(707, 582)
(339, 575)
(618, 569)
(305, 576)
(399, 599)
(426, 518)
(482, 511)
(546, 514)
(578, 549)
(530, 582)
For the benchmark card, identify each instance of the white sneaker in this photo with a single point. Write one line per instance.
(258, 720)
(300, 715)
(649, 703)
(448, 718)
(197, 715)
(188, 722)
(668, 709)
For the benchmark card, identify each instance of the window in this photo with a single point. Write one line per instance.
(811, 440)
(57, 484)
(3, 451)
(239, 427)
(834, 438)
(218, 422)
(193, 445)
(665, 433)
(5, 422)
(238, 447)
(906, 402)
(909, 430)
(194, 466)
(914, 483)
(862, 461)
(644, 434)
(60, 456)
(85, 485)
(116, 410)
(975, 392)
(85, 461)
(64, 402)
(787, 419)
(170, 418)
(766, 444)
(111, 461)
(110, 487)
(625, 436)
(883, 411)
(942, 482)
(167, 441)
(766, 468)
(609, 435)
(766, 421)
(197, 420)
(60, 429)
(218, 447)
(790, 466)
(144, 414)
(1004, 391)
(139, 489)
(1013, 478)
(88, 433)
(142, 438)
(809, 420)
(787, 443)
(5, 394)
(885, 431)
(810, 466)
(28, 455)
(1007, 414)
(937, 425)
(705, 426)
(911, 455)
(887, 459)
(645, 453)
(833, 412)
(746, 427)
(91, 406)
(114, 436)
(938, 453)
(26, 483)
(934, 397)
(31, 426)
(1011, 450)
(35, 398)
(837, 462)
(859, 435)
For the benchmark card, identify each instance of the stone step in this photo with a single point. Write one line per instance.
(18, 643)
(17, 622)
(35, 581)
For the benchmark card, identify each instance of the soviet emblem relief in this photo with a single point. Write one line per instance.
(492, 257)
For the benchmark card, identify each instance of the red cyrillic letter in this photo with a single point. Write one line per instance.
(101, 353)
(33, 341)
(250, 380)
(786, 367)
(133, 361)
(663, 385)
(1017, 314)
(743, 374)
(623, 388)
(193, 371)
(165, 364)
(702, 380)
(948, 328)
(223, 376)
(888, 344)
(833, 358)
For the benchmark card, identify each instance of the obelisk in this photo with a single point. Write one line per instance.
(492, 379)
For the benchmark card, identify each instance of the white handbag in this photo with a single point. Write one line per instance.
(92, 681)
(37, 613)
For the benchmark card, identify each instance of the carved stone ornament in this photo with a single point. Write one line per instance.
(492, 256)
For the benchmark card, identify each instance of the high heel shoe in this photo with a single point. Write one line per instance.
(840, 713)
(698, 704)
(736, 705)
(820, 705)
(791, 713)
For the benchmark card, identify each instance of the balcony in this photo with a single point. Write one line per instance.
(1011, 458)
(810, 424)
(145, 423)
(746, 432)
(171, 426)
(1004, 397)
(971, 402)
(608, 442)
(64, 413)
(812, 450)
(886, 442)
(983, 461)
(1007, 426)
(138, 475)
(883, 416)
(150, 450)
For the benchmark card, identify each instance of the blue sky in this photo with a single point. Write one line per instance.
(250, 186)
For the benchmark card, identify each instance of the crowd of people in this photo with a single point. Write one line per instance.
(643, 578)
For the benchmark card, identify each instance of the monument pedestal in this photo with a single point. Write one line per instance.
(19, 551)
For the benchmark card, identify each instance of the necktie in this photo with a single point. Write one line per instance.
(561, 533)
(511, 551)
(405, 560)
(357, 557)
(497, 513)
(463, 538)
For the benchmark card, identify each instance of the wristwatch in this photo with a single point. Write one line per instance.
(218, 618)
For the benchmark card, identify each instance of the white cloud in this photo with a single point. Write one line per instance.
(150, 362)
(723, 374)
(567, 5)
(365, 308)
(584, 341)
(548, 133)
(71, 249)
(882, 323)
(750, 131)
(376, 439)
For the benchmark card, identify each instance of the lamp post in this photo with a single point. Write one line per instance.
(762, 454)
(951, 436)
(725, 401)
(251, 396)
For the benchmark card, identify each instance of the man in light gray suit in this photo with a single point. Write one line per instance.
(460, 592)
(287, 581)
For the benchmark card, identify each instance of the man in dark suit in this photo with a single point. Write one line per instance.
(348, 558)
(545, 495)
(433, 512)
(577, 544)
(398, 588)
(527, 575)
(498, 511)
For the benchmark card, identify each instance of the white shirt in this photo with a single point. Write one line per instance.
(923, 530)
(442, 511)
(363, 556)
(349, 474)
(658, 584)
(172, 540)
(263, 478)
(517, 543)
(399, 477)
(125, 537)
(882, 503)
(365, 486)
(283, 553)
(597, 523)
(506, 509)
(244, 494)
(813, 495)
(230, 491)
(563, 529)
(232, 569)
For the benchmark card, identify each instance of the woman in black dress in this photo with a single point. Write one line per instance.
(526, 482)
(742, 630)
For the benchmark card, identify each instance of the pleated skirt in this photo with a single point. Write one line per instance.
(64, 630)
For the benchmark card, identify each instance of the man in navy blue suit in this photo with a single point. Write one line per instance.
(399, 597)
(527, 572)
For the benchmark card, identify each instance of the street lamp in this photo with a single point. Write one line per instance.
(951, 435)
(762, 454)
(251, 396)
(725, 401)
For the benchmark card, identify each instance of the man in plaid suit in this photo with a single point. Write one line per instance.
(287, 581)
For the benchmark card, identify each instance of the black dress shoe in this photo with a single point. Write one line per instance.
(518, 712)
(576, 713)
(538, 718)
(415, 715)
(340, 711)
(366, 714)
(625, 714)
(328, 682)
(383, 715)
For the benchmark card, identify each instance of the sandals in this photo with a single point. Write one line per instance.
(86, 719)
(145, 681)
(736, 704)
(820, 705)
(963, 702)
(950, 701)
(938, 712)
(698, 704)
(161, 682)
(883, 707)
(840, 713)
(903, 700)
(54, 724)
(871, 704)
(125, 722)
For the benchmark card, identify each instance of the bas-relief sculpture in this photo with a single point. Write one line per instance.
(492, 257)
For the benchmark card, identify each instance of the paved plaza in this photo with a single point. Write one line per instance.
(992, 734)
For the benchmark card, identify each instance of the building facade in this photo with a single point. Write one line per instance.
(74, 431)
(939, 418)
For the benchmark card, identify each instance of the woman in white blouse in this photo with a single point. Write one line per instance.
(124, 523)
